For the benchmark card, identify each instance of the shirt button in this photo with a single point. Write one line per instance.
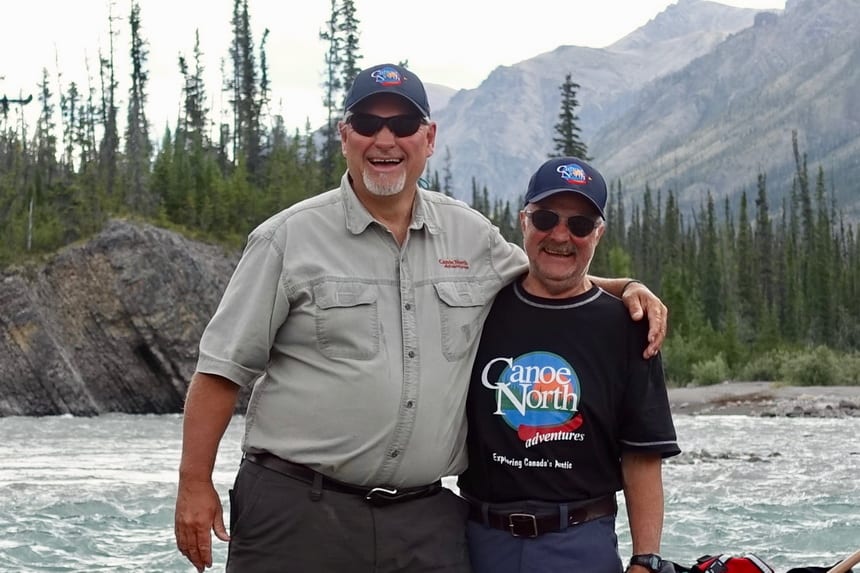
(407, 306)
(411, 354)
(410, 403)
(395, 453)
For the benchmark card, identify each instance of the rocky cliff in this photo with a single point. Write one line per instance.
(108, 326)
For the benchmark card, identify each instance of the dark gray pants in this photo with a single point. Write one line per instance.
(276, 527)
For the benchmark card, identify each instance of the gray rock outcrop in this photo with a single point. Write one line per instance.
(111, 325)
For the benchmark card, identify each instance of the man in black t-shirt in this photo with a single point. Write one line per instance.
(563, 409)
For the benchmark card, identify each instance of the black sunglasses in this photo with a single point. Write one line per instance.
(546, 220)
(367, 124)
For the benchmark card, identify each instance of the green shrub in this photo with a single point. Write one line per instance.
(766, 367)
(700, 360)
(848, 369)
(679, 355)
(708, 372)
(812, 367)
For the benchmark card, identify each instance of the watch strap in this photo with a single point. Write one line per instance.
(650, 561)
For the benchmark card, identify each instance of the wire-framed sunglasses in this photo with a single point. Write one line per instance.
(367, 124)
(546, 220)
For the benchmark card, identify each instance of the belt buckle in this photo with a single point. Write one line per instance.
(523, 519)
(381, 495)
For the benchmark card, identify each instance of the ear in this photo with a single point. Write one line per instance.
(431, 138)
(341, 128)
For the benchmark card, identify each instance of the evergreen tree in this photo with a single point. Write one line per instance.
(709, 273)
(85, 131)
(851, 290)
(138, 148)
(90, 193)
(746, 275)
(332, 89)
(348, 29)
(69, 109)
(766, 269)
(42, 225)
(763, 243)
(108, 111)
(793, 317)
(730, 314)
(671, 235)
(46, 140)
(447, 174)
(480, 199)
(283, 182)
(310, 163)
(265, 89)
(806, 219)
(822, 294)
(341, 67)
(650, 247)
(194, 122)
(615, 235)
(676, 286)
(567, 140)
(162, 179)
(247, 137)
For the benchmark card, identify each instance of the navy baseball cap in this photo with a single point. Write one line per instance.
(388, 78)
(570, 174)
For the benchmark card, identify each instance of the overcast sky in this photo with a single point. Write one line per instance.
(451, 42)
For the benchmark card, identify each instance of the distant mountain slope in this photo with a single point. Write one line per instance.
(500, 131)
(729, 114)
(439, 96)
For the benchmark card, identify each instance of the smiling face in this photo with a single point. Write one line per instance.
(559, 260)
(383, 164)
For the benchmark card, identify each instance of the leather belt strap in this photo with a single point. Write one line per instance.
(378, 496)
(531, 522)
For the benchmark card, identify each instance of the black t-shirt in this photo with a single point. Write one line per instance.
(558, 390)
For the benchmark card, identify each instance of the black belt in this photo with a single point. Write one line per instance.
(531, 523)
(378, 496)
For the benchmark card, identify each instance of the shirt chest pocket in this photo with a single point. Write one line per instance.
(347, 320)
(462, 308)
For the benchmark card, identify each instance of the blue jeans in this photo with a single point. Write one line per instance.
(590, 547)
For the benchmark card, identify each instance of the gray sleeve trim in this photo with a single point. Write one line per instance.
(649, 444)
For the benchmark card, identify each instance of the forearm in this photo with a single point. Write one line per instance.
(209, 407)
(643, 494)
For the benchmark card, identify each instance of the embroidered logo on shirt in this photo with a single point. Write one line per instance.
(454, 263)
(537, 394)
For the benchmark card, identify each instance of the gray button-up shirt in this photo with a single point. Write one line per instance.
(360, 349)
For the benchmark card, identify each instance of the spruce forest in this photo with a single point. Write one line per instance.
(756, 291)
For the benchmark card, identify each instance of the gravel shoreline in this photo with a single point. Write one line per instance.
(767, 399)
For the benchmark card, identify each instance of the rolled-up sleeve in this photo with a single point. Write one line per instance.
(238, 339)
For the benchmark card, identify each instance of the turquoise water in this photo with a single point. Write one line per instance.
(97, 494)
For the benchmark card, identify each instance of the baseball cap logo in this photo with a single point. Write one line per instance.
(387, 77)
(573, 174)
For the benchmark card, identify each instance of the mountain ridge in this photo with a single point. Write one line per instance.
(733, 110)
(664, 105)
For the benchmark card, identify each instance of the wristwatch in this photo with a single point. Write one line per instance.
(650, 561)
